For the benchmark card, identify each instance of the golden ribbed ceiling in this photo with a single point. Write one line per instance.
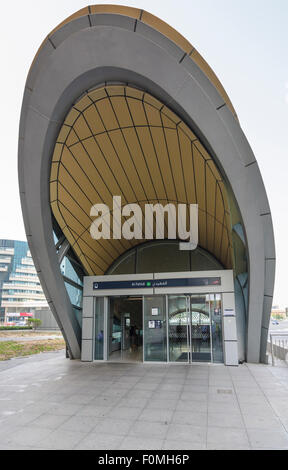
(121, 141)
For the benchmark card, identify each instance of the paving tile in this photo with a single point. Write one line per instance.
(196, 382)
(124, 412)
(182, 445)
(68, 409)
(192, 388)
(190, 417)
(61, 440)
(156, 415)
(224, 420)
(95, 441)
(257, 409)
(15, 447)
(133, 402)
(83, 424)
(188, 433)
(165, 395)
(262, 421)
(49, 421)
(193, 396)
(20, 418)
(142, 385)
(91, 410)
(223, 408)
(252, 399)
(140, 443)
(111, 425)
(195, 406)
(56, 398)
(228, 446)
(26, 435)
(227, 437)
(263, 439)
(162, 404)
(114, 393)
(146, 429)
(104, 400)
(171, 387)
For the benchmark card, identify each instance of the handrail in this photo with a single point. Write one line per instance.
(272, 344)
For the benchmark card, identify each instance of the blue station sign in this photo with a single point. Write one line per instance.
(153, 283)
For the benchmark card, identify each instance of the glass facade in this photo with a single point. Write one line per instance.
(163, 256)
(74, 287)
(160, 328)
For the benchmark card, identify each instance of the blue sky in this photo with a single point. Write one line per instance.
(245, 42)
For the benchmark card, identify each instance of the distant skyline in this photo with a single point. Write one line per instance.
(244, 42)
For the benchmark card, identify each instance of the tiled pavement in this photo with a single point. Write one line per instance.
(49, 402)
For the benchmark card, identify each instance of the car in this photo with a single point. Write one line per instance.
(275, 322)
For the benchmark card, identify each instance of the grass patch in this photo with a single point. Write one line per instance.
(28, 333)
(8, 328)
(9, 349)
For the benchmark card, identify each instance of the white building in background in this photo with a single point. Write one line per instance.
(21, 294)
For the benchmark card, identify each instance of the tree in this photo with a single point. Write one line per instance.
(35, 322)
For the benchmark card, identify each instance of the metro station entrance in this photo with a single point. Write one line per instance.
(160, 318)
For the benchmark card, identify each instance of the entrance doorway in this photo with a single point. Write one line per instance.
(182, 328)
(195, 328)
(125, 327)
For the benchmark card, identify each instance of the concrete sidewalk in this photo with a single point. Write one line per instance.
(49, 402)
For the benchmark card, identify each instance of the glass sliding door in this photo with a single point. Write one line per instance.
(155, 328)
(216, 327)
(200, 328)
(195, 328)
(178, 328)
